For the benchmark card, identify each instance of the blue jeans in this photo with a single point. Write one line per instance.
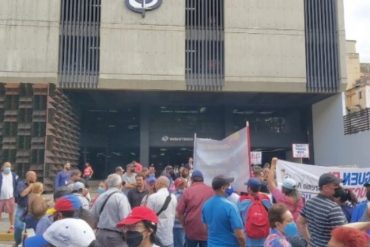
(178, 237)
(19, 224)
(195, 243)
(255, 242)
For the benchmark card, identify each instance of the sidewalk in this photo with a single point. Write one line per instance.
(4, 236)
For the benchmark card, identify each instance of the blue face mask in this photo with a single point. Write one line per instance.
(291, 229)
(7, 170)
(100, 190)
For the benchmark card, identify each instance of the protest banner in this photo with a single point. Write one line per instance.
(229, 157)
(307, 177)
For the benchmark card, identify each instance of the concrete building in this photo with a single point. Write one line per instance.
(142, 83)
(353, 64)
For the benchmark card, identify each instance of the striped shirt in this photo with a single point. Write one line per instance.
(322, 216)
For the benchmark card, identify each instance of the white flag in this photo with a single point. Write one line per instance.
(229, 157)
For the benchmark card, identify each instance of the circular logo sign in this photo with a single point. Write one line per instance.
(165, 138)
(140, 6)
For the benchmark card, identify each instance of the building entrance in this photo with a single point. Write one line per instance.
(175, 156)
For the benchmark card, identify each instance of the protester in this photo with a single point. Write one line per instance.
(254, 211)
(75, 176)
(36, 210)
(8, 184)
(88, 172)
(100, 190)
(119, 170)
(64, 233)
(348, 237)
(24, 188)
(164, 204)
(140, 227)
(259, 174)
(129, 178)
(178, 229)
(221, 217)
(136, 195)
(279, 217)
(185, 174)
(361, 211)
(189, 210)
(62, 177)
(150, 187)
(108, 210)
(288, 194)
(67, 206)
(346, 200)
(79, 190)
(321, 214)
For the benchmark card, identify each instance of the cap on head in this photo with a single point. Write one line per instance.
(138, 214)
(69, 232)
(197, 175)
(289, 183)
(328, 178)
(151, 180)
(67, 203)
(179, 182)
(220, 181)
(78, 186)
(254, 183)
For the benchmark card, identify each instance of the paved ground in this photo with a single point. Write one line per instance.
(4, 225)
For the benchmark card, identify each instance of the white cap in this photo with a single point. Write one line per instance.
(76, 186)
(69, 233)
(289, 183)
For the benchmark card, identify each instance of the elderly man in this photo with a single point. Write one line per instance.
(321, 214)
(109, 208)
(8, 181)
(164, 203)
(189, 210)
(23, 189)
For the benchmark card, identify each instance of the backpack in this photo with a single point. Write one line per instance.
(257, 224)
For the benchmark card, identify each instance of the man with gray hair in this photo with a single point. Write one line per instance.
(108, 210)
(164, 204)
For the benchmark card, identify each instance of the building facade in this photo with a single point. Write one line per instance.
(143, 82)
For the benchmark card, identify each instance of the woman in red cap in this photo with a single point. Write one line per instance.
(139, 227)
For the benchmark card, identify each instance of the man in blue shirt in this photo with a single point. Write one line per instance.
(62, 177)
(221, 217)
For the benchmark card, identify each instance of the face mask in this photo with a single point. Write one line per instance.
(337, 192)
(291, 229)
(7, 170)
(100, 190)
(134, 238)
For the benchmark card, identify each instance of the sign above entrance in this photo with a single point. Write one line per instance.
(140, 6)
(177, 139)
(301, 151)
(256, 158)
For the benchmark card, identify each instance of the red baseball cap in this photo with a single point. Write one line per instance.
(179, 182)
(67, 203)
(139, 214)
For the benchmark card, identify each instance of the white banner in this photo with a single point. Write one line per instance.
(307, 177)
(229, 157)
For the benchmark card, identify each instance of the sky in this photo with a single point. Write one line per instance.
(357, 25)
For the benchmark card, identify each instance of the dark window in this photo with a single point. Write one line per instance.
(10, 129)
(38, 129)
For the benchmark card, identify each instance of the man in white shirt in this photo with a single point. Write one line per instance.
(166, 213)
(8, 181)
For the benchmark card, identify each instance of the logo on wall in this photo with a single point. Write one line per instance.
(140, 6)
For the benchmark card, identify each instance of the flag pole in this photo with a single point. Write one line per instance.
(248, 133)
(194, 153)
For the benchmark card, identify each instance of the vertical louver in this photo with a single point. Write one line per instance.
(322, 58)
(204, 45)
(79, 43)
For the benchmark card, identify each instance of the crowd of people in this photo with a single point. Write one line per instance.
(137, 206)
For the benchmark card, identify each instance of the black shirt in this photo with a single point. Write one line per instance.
(135, 197)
